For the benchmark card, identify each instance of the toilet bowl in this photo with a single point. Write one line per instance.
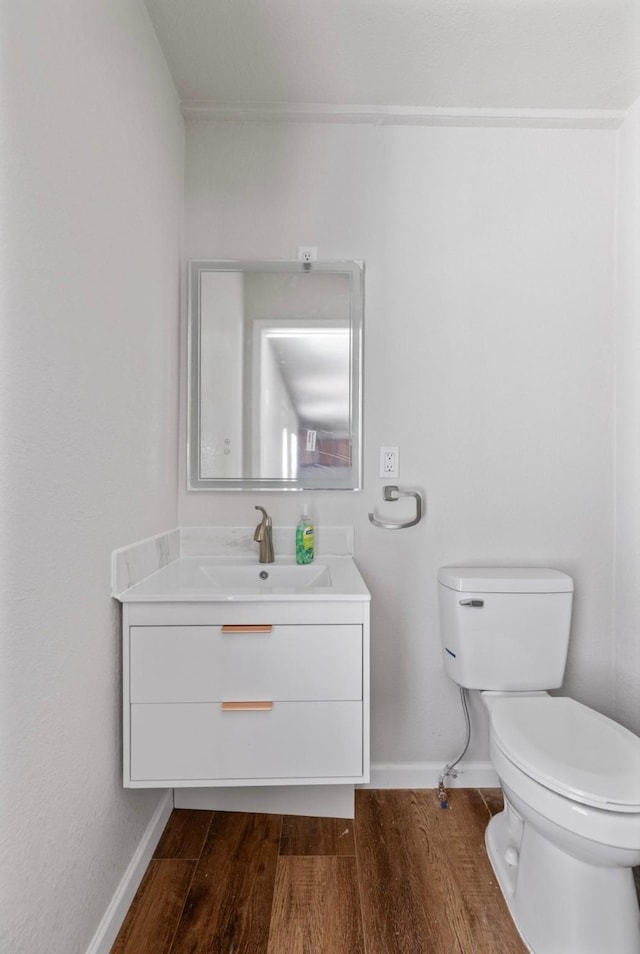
(570, 832)
(564, 845)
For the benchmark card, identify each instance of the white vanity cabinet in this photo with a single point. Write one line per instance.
(245, 693)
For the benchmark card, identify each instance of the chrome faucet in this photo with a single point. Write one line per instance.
(264, 537)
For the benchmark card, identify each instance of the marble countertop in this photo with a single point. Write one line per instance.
(193, 579)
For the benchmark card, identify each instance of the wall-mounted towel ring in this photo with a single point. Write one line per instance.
(392, 493)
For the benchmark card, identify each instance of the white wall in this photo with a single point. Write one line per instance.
(278, 418)
(221, 362)
(488, 360)
(627, 603)
(92, 176)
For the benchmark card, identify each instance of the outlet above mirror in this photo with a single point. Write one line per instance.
(275, 375)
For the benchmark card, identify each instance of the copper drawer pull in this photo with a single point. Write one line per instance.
(246, 629)
(246, 706)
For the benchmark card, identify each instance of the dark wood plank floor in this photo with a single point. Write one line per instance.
(406, 877)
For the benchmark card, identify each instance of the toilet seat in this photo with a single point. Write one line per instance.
(570, 749)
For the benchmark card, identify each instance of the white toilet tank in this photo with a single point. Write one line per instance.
(505, 628)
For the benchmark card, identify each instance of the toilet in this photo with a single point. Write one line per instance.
(563, 847)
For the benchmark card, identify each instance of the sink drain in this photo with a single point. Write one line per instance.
(263, 575)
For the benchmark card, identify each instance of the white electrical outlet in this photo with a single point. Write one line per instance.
(307, 253)
(389, 462)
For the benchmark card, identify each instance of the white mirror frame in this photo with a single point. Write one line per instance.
(197, 480)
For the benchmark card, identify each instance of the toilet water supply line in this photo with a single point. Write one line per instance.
(449, 769)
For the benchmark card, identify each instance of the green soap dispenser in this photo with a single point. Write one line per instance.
(304, 541)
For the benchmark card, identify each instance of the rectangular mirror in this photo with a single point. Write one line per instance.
(275, 375)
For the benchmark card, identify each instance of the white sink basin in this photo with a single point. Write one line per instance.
(259, 577)
(237, 578)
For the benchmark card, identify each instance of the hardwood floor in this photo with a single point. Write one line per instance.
(426, 884)
(405, 877)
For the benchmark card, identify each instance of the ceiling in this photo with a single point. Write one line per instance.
(314, 363)
(492, 54)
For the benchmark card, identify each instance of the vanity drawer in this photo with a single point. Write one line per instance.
(207, 664)
(202, 741)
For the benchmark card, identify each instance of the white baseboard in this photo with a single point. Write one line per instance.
(427, 774)
(103, 939)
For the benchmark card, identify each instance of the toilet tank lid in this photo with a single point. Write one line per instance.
(504, 579)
